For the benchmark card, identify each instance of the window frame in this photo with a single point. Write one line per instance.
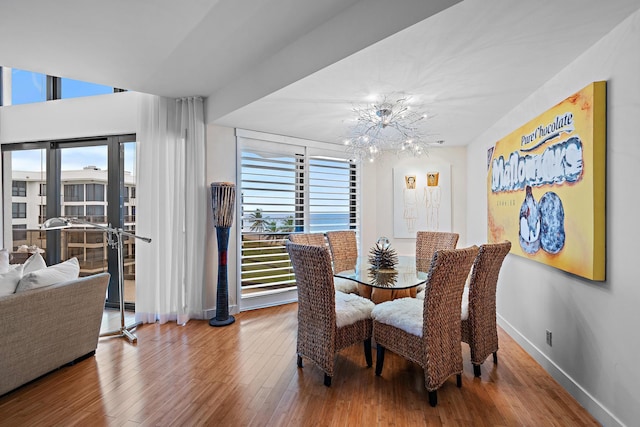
(306, 151)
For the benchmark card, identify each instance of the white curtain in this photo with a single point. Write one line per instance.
(171, 209)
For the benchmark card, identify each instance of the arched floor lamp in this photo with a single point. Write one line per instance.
(223, 198)
(114, 240)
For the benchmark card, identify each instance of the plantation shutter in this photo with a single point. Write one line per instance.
(287, 188)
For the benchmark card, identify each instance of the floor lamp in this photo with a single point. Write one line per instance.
(114, 240)
(223, 197)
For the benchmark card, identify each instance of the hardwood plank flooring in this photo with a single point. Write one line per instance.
(245, 374)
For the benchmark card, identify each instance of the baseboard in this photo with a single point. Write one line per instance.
(590, 403)
(210, 313)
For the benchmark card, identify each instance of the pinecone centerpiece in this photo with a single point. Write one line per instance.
(382, 256)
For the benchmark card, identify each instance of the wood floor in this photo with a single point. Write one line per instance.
(246, 374)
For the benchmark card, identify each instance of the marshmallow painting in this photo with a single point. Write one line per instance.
(546, 186)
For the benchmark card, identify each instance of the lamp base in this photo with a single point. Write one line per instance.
(124, 332)
(229, 320)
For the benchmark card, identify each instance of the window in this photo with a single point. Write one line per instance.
(133, 192)
(76, 88)
(74, 193)
(126, 194)
(332, 194)
(285, 189)
(95, 210)
(18, 210)
(19, 188)
(27, 87)
(95, 193)
(19, 234)
(74, 211)
(62, 193)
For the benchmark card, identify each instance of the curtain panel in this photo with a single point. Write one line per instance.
(172, 209)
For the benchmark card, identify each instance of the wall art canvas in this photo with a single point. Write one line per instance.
(422, 199)
(546, 186)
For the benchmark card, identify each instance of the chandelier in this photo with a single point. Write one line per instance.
(388, 125)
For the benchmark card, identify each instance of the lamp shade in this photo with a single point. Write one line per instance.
(56, 224)
(223, 200)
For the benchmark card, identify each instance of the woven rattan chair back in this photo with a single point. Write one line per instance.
(479, 329)
(313, 239)
(438, 351)
(441, 314)
(428, 242)
(319, 338)
(344, 249)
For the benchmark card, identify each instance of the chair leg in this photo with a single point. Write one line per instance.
(433, 398)
(327, 380)
(299, 361)
(459, 380)
(379, 359)
(495, 357)
(367, 352)
(476, 370)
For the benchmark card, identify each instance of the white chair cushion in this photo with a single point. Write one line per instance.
(465, 304)
(4, 260)
(351, 308)
(464, 315)
(402, 313)
(345, 285)
(9, 280)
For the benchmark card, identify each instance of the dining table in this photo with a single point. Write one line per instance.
(381, 285)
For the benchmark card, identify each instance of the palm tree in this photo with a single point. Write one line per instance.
(287, 225)
(258, 222)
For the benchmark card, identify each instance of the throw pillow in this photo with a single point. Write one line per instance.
(9, 281)
(33, 263)
(68, 270)
(4, 261)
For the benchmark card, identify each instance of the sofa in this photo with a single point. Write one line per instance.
(48, 327)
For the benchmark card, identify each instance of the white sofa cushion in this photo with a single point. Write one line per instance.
(402, 313)
(65, 271)
(4, 261)
(34, 263)
(351, 308)
(9, 280)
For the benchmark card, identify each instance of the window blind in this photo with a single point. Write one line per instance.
(284, 189)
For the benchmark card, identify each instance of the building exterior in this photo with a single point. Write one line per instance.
(83, 196)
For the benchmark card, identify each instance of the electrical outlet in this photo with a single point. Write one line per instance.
(549, 342)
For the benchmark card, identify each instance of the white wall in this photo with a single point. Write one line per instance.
(111, 114)
(70, 118)
(594, 324)
(221, 166)
(377, 195)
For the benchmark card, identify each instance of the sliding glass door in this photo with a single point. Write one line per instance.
(92, 180)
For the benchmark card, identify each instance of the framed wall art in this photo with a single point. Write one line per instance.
(421, 199)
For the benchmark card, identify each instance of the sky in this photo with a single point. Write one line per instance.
(73, 158)
(28, 87)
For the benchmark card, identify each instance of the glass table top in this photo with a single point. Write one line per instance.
(403, 276)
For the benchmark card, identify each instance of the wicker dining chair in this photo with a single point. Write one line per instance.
(427, 331)
(314, 239)
(328, 321)
(344, 249)
(428, 242)
(478, 327)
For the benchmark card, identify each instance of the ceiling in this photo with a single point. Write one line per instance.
(297, 67)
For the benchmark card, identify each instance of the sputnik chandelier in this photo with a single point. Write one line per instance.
(388, 125)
